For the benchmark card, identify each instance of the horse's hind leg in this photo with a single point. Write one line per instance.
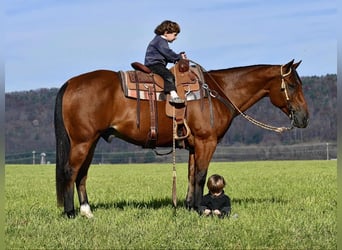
(82, 192)
(78, 155)
(81, 185)
(68, 192)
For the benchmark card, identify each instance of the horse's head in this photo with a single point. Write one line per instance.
(287, 94)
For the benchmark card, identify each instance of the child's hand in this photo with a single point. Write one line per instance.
(217, 212)
(207, 212)
(183, 55)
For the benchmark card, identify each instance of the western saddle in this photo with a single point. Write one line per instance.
(142, 84)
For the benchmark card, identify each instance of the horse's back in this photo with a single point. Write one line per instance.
(91, 86)
(88, 101)
(94, 77)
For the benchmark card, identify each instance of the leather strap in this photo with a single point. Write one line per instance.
(138, 101)
(153, 133)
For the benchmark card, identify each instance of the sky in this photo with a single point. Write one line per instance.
(49, 41)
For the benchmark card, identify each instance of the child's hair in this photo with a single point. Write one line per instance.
(216, 183)
(168, 27)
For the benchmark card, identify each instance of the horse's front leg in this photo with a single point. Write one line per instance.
(189, 202)
(200, 177)
(204, 150)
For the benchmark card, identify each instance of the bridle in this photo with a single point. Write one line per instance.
(284, 88)
(225, 100)
(283, 84)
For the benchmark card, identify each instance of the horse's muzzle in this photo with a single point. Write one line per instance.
(300, 119)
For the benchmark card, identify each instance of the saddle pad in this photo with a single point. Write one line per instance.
(130, 88)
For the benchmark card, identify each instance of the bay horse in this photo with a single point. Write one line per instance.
(89, 104)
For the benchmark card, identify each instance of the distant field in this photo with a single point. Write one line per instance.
(276, 205)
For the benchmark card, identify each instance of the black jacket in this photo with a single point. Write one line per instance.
(158, 52)
(211, 202)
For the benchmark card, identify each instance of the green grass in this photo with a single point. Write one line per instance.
(279, 204)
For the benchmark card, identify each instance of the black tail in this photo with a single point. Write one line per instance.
(62, 148)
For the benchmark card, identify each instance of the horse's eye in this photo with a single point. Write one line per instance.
(291, 85)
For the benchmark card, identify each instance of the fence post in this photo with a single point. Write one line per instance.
(33, 157)
(43, 158)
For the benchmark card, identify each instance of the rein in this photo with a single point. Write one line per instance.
(226, 101)
(174, 174)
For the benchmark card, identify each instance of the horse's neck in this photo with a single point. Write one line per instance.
(245, 86)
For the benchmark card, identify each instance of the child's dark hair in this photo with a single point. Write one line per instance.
(216, 183)
(168, 27)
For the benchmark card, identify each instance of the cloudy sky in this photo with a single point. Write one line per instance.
(50, 41)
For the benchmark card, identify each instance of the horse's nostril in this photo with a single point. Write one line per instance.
(306, 123)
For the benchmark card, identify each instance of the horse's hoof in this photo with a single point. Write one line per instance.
(188, 205)
(71, 214)
(86, 211)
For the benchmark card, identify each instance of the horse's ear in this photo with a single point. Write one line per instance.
(288, 66)
(290, 63)
(295, 65)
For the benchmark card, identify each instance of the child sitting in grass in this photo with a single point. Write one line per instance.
(216, 202)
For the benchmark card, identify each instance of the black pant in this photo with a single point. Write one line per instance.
(165, 73)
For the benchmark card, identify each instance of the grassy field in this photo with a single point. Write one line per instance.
(276, 205)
